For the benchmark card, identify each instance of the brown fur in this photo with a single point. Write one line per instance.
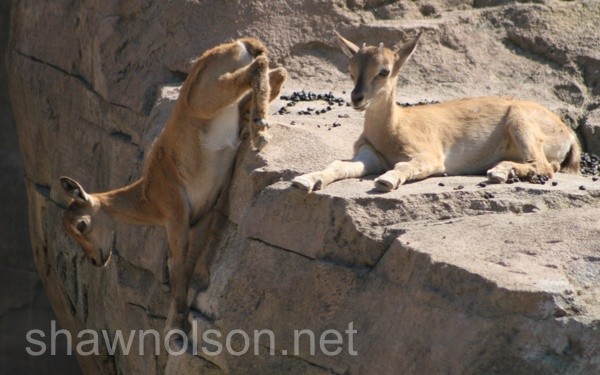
(187, 167)
(466, 136)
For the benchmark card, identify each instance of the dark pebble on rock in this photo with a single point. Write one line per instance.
(554, 183)
(582, 187)
(441, 184)
(482, 184)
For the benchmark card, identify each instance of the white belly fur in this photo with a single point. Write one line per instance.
(219, 147)
(223, 130)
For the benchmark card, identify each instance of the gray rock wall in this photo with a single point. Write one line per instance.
(23, 305)
(434, 279)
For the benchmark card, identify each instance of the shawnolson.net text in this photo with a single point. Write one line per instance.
(236, 342)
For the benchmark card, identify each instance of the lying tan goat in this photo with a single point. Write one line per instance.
(502, 136)
(187, 166)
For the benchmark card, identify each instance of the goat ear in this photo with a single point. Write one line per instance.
(347, 46)
(74, 190)
(404, 52)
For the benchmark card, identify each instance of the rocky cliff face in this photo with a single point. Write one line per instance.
(433, 278)
(24, 305)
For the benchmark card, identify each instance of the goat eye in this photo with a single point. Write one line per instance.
(384, 72)
(81, 226)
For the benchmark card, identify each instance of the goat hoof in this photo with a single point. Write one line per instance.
(261, 122)
(384, 185)
(497, 177)
(303, 183)
(261, 141)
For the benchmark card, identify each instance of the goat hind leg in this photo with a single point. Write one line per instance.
(508, 169)
(530, 142)
(178, 311)
(504, 170)
(197, 259)
(178, 236)
(182, 268)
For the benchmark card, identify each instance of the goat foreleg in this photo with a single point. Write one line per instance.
(366, 161)
(417, 168)
(260, 103)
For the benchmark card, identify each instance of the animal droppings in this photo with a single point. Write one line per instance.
(422, 102)
(303, 96)
(590, 164)
(536, 179)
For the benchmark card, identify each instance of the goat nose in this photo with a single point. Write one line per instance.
(356, 96)
(93, 261)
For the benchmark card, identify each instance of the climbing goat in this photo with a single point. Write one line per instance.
(502, 136)
(187, 167)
